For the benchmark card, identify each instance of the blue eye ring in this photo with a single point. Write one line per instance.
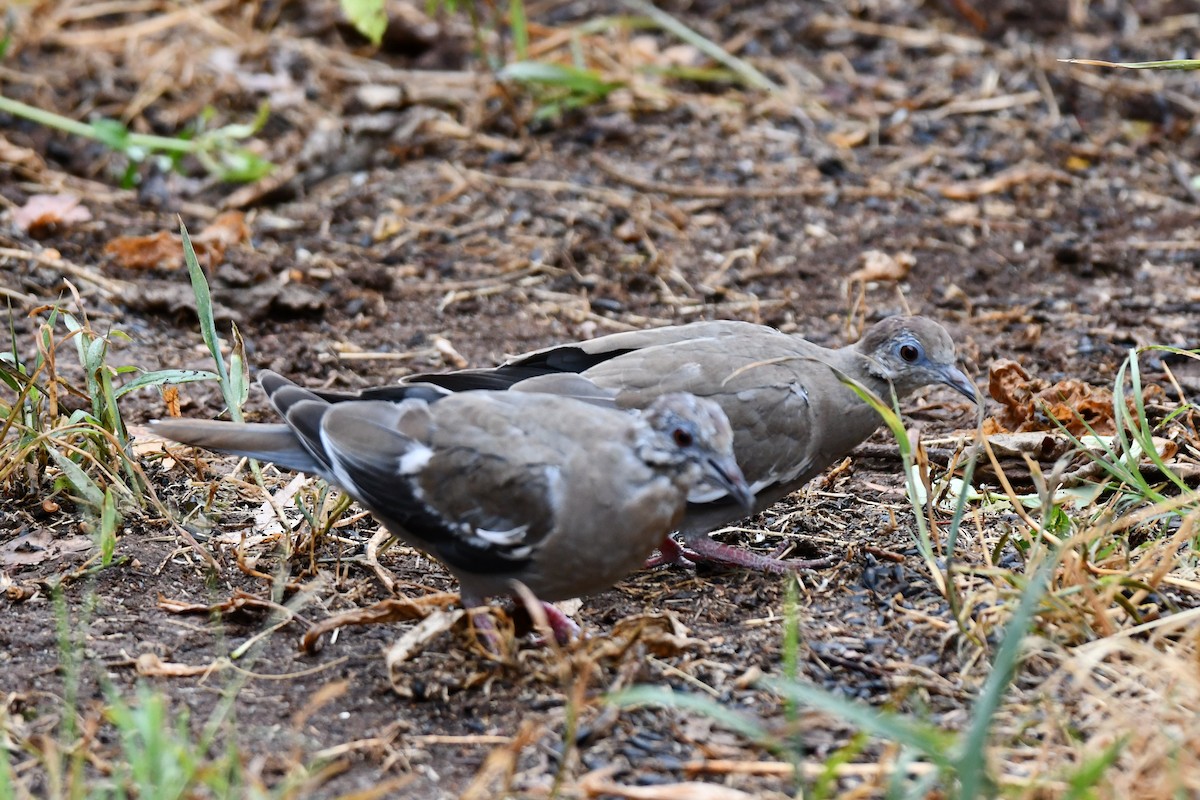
(910, 353)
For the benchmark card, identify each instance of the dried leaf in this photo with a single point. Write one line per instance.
(394, 609)
(164, 250)
(879, 266)
(170, 395)
(1032, 404)
(414, 641)
(40, 545)
(660, 632)
(151, 665)
(42, 212)
(240, 601)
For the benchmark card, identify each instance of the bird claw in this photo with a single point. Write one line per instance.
(563, 627)
(669, 552)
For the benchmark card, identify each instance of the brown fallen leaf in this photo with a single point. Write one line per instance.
(660, 632)
(414, 641)
(40, 545)
(164, 250)
(1015, 451)
(42, 213)
(150, 665)
(393, 609)
(1033, 404)
(240, 601)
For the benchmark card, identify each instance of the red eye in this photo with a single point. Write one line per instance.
(682, 437)
(909, 353)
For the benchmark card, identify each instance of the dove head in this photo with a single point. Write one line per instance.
(693, 433)
(912, 352)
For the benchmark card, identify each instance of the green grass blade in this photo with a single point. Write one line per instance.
(583, 81)
(1180, 63)
(519, 26)
(739, 723)
(971, 761)
(926, 739)
(749, 75)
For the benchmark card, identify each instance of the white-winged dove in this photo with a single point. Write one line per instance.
(792, 417)
(563, 496)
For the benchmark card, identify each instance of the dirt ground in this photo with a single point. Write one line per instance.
(1046, 213)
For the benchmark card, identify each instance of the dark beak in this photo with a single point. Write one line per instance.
(725, 473)
(957, 380)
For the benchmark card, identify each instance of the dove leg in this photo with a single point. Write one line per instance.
(701, 547)
(564, 628)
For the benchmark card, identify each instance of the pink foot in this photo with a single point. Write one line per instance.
(669, 552)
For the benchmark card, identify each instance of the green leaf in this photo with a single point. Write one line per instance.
(367, 16)
(573, 78)
(88, 491)
(110, 520)
(112, 133)
(164, 377)
(239, 165)
(239, 372)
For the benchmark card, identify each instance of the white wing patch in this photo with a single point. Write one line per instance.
(506, 538)
(414, 460)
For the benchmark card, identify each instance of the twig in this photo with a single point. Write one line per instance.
(114, 288)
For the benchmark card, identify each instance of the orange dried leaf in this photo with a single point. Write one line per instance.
(164, 250)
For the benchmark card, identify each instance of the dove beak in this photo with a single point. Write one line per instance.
(957, 380)
(725, 473)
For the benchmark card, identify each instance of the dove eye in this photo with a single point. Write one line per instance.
(910, 353)
(681, 437)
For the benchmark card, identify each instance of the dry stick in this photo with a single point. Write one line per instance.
(906, 37)
(204, 15)
(114, 288)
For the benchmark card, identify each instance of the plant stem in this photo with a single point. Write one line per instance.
(51, 120)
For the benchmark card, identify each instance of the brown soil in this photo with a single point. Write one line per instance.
(1050, 210)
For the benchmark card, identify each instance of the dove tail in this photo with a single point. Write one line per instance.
(275, 443)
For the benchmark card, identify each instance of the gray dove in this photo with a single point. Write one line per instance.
(562, 496)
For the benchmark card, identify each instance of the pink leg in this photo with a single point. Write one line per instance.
(565, 629)
(703, 548)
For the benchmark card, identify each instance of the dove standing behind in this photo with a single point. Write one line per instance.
(791, 414)
(563, 496)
